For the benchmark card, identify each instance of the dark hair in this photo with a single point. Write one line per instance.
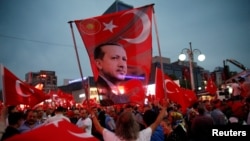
(11, 108)
(149, 117)
(98, 53)
(60, 109)
(13, 118)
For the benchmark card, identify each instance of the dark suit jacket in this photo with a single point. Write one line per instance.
(108, 97)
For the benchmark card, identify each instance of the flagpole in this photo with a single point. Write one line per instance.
(3, 85)
(159, 50)
(85, 85)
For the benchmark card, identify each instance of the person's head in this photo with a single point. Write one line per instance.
(40, 112)
(127, 128)
(149, 117)
(201, 109)
(31, 117)
(166, 126)
(60, 110)
(15, 119)
(12, 109)
(111, 61)
(84, 113)
(76, 113)
(208, 105)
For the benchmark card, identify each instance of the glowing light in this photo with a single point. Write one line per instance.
(182, 57)
(39, 86)
(201, 57)
(121, 89)
(81, 95)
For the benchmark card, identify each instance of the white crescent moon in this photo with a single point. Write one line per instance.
(145, 29)
(165, 83)
(81, 135)
(19, 91)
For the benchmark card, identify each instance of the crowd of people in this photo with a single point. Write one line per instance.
(156, 121)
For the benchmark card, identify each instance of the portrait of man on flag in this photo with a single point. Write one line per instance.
(119, 46)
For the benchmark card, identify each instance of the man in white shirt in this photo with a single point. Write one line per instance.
(59, 115)
(85, 122)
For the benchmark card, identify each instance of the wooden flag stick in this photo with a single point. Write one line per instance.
(85, 85)
(159, 49)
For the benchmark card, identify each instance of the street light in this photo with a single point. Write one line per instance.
(190, 53)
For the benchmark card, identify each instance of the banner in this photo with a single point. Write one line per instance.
(17, 92)
(119, 46)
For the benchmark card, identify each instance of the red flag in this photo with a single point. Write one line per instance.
(159, 88)
(63, 95)
(131, 28)
(134, 88)
(173, 91)
(211, 87)
(91, 102)
(16, 91)
(189, 96)
(58, 130)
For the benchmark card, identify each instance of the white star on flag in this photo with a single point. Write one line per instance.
(54, 122)
(109, 26)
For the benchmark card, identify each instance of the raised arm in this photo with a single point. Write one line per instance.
(96, 122)
(160, 116)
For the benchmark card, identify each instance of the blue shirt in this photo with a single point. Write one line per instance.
(25, 127)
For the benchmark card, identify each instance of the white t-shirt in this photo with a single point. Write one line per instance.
(85, 122)
(144, 135)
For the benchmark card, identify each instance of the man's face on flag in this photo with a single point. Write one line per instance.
(113, 65)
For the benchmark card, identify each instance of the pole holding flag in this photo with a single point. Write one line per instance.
(159, 50)
(85, 85)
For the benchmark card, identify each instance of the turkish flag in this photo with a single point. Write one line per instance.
(130, 28)
(211, 86)
(63, 95)
(17, 92)
(173, 91)
(189, 97)
(61, 130)
(159, 85)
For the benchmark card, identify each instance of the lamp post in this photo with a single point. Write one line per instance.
(190, 52)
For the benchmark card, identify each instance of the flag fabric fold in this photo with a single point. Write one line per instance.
(15, 91)
(58, 130)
